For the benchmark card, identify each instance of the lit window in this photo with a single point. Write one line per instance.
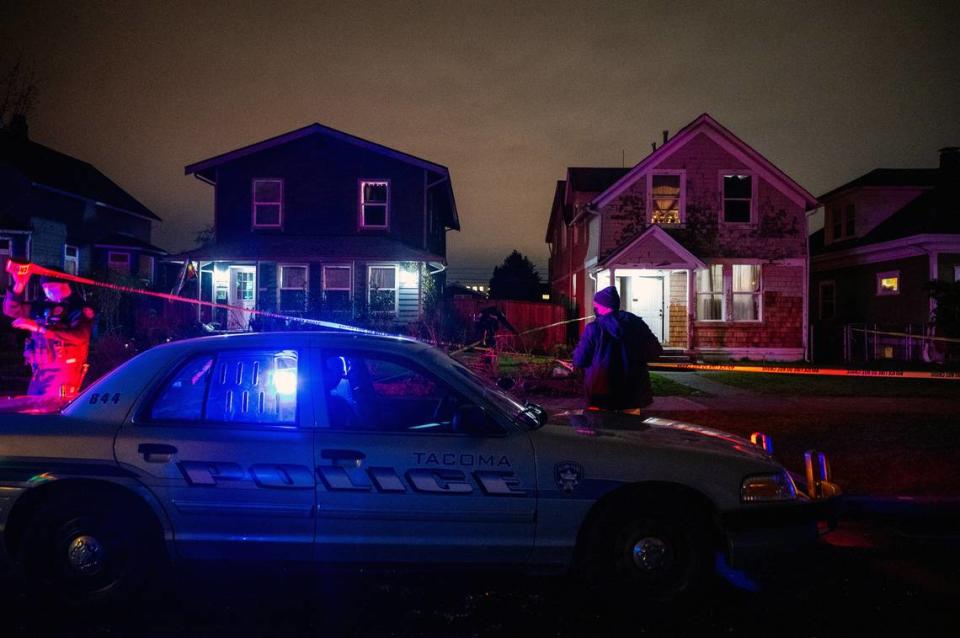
(70, 259)
(293, 288)
(374, 204)
(737, 198)
(382, 289)
(710, 293)
(118, 262)
(545, 296)
(746, 292)
(828, 300)
(267, 203)
(888, 283)
(665, 196)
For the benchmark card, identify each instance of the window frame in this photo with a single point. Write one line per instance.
(67, 259)
(396, 287)
(753, 196)
(281, 287)
(722, 293)
(361, 217)
(682, 203)
(888, 274)
(832, 284)
(111, 253)
(253, 202)
(304, 395)
(758, 293)
(323, 278)
(5, 254)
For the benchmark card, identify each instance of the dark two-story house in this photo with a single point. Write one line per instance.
(320, 223)
(704, 238)
(886, 235)
(61, 212)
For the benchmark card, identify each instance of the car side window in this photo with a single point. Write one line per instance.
(234, 386)
(375, 392)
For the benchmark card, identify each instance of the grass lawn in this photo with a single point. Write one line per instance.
(800, 385)
(664, 387)
(881, 454)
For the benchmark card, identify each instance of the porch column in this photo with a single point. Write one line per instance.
(691, 305)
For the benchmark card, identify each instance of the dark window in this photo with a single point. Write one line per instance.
(293, 288)
(837, 222)
(737, 197)
(337, 288)
(828, 300)
(267, 202)
(371, 391)
(239, 386)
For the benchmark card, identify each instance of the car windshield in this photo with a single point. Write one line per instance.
(493, 393)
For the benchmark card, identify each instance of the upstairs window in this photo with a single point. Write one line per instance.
(666, 198)
(374, 204)
(382, 289)
(293, 288)
(267, 203)
(737, 199)
(710, 293)
(842, 221)
(71, 259)
(746, 292)
(337, 288)
(849, 223)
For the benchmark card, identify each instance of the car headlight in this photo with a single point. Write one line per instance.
(763, 488)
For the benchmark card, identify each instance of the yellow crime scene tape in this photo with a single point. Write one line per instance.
(702, 367)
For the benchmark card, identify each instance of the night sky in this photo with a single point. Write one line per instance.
(505, 94)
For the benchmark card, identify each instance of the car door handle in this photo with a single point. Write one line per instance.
(156, 452)
(352, 457)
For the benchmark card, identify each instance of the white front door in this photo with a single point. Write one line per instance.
(243, 293)
(645, 299)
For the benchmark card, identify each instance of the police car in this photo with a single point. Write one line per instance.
(341, 449)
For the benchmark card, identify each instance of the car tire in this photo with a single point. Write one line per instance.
(90, 552)
(653, 551)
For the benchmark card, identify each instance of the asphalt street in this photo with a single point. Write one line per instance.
(868, 577)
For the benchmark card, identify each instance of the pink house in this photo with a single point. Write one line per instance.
(704, 238)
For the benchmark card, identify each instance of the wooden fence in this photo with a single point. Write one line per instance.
(522, 315)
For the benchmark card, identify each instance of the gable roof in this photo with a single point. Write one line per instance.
(67, 175)
(935, 212)
(669, 252)
(720, 134)
(202, 168)
(893, 177)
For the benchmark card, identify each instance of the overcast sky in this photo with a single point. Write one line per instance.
(506, 94)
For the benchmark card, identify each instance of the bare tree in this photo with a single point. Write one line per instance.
(18, 92)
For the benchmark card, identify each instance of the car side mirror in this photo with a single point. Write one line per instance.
(506, 383)
(471, 419)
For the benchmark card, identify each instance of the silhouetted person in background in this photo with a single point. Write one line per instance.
(613, 351)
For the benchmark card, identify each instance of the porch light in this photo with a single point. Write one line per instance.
(221, 277)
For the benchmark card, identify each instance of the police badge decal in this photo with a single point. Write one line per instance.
(567, 475)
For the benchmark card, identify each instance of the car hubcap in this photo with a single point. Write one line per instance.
(649, 554)
(85, 555)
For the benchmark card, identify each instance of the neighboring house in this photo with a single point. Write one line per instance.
(320, 223)
(704, 238)
(61, 212)
(886, 235)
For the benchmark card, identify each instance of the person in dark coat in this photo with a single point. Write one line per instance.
(613, 351)
(59, 328)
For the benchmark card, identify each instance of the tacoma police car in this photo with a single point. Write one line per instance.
(337, 448)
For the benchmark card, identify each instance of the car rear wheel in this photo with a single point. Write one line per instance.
(88, 552)
(653, 551)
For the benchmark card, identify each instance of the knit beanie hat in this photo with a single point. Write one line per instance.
(608, 298)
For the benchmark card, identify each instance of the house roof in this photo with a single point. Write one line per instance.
(936, 211)
(305, 249)
(557, 208)
(120, 240)
(653, 244)
(706, 124)
(59, 172)
(204, 169)
(893, 177)
(593, 179)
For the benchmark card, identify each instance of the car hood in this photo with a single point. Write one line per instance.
(651, 432)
